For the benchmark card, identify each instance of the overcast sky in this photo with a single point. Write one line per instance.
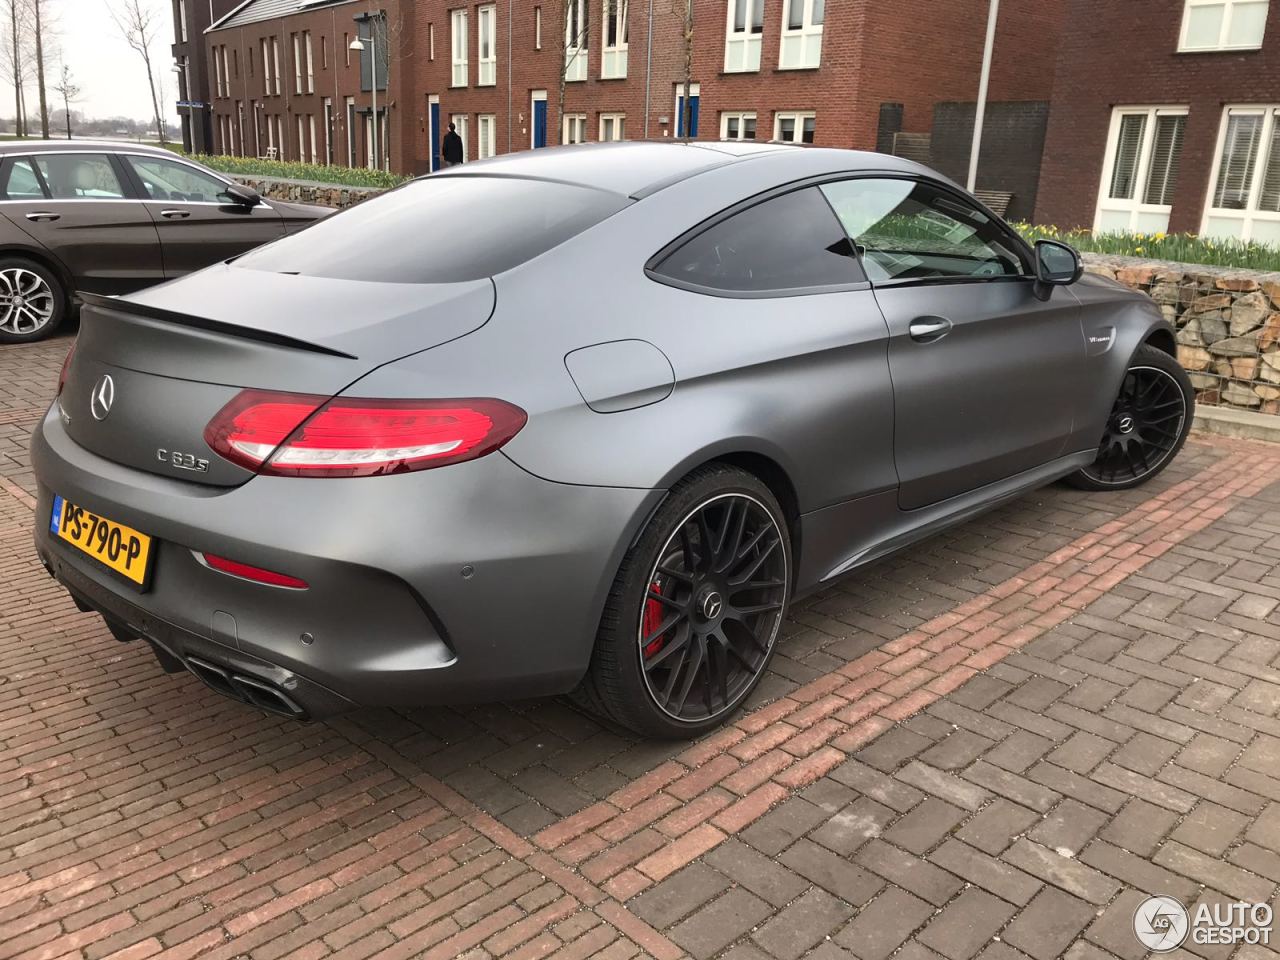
(110, 75)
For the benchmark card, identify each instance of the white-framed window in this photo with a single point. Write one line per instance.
(297, 64)
(311, 122)
(458, 42)
(801, 43)
(275, 63)
(1222, 25)
(350, 106)
(575, 40)
(182, 21)
(324, 52)
(311, 63)
(613, 59)
(486, 136)
(217, 72)
(459, 121)
(574, 128)
(537, 27)
(1140, 173)
(487, 42)
(742, 36)
(266, 69)
(613, 126)
(794, 126)
(302, 139)
(431, 42)
(738, 125)
(1244, 191)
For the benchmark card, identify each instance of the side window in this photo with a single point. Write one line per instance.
(789, 242)
(905, 230)
(166, 180)
(18, 181)
(80, 176)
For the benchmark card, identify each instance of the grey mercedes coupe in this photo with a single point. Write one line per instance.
(579, 420)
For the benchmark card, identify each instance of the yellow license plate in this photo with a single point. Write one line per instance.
(121, 548)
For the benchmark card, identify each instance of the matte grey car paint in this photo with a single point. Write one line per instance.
(487, 579)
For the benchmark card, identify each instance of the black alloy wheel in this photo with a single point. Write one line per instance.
(713, 607)
(1148, 424)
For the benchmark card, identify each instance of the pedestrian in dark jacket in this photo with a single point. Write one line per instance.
(451, 149)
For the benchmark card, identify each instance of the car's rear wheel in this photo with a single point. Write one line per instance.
(691, 622)
(32, 301)
(1147, 426)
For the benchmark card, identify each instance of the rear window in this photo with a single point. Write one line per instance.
(439, 230)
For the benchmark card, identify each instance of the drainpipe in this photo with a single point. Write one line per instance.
(510, 13)
(648, 72)
(980, 114)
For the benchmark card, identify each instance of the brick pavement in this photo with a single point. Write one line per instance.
(991, 745)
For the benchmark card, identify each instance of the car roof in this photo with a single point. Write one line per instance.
(62, 146)
(639, 168)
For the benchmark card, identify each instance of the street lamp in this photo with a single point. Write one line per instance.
(183, 69)
(358, 45)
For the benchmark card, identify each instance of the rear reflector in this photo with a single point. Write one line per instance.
(300, 435)
(66, 365)
(257, 574)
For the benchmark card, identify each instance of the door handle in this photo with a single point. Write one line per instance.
(175, 214)
(43, 216)
(929, 329)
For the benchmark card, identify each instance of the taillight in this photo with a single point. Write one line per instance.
(299, 435)
(249, 572)
(66, 365)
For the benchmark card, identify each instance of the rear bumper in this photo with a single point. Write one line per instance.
(476, 581)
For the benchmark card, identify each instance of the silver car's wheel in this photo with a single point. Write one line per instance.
(695, 612)
(31, 303)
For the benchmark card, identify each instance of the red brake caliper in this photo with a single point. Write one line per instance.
(652, 620)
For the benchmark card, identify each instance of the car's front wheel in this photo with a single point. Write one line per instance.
(695, 610)
(1148, 424)
(32, 302)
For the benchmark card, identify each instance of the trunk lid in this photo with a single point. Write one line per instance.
(176, 354)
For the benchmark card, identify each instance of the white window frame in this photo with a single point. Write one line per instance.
(302, 139)
(311, 120)
(431, 42)
(576, 57)
(297, 64)
(182, 21)
(486, 136)
(799, 116)
(458, 47)
(349, 118)
(311, 63)
(617, 127)
(1250, 216)
(807, 38)
(742, 47)
(578, 121)
(1142, 216)
(217, 72)
(460, 123)
(275, 60)
(741, 116)
(487, 22)
(1229, 9)
(613, 59)
(537, 27)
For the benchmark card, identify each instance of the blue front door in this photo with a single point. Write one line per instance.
(693, 115)
(435, 137)
(539, 123)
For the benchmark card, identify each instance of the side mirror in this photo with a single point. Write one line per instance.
(242, 195)
(1057, 265)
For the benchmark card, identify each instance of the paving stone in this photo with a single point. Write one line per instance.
(679, 895)
(719, 923)
(882, 925)
(1265, 830)
(909, 872)
(1068, 826)
(832, 873)
(996, 825)
(1048, 924)
(879, 786)
(1013, 787)
(1112, 930)
(966, 924)
(853, 826)
(1140, 827)
(889, 751)
(944, 786)
(763, 876)
(778, 828)
(1019, 751)
(924, 827)
(1213, 872)
(1144, 753)
(985, 871)
(802, 925)
(959, 749)
(1210, 828)
(1082, 752)
(1061, 871)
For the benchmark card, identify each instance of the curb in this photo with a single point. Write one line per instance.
(1241, 424)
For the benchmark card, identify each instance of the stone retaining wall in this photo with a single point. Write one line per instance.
(307, 191)
(1228, 326)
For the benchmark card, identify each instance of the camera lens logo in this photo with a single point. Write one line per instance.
(1161, 924)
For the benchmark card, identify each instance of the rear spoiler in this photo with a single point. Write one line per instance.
(204, 323)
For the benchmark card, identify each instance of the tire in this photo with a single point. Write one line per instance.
(33, 303)
(687, 633)
(1147, 426)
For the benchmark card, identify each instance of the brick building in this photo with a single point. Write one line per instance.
(1176, 129)
(848, 73)
(190, 56)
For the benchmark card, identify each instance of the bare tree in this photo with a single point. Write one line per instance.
(138, 23)
(37, 8)
(573, 44)
(15, 59)
(69, 92)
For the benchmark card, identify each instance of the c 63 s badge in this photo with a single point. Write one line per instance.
(183, 461)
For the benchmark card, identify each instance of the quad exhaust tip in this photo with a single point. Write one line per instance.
(257, 693)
